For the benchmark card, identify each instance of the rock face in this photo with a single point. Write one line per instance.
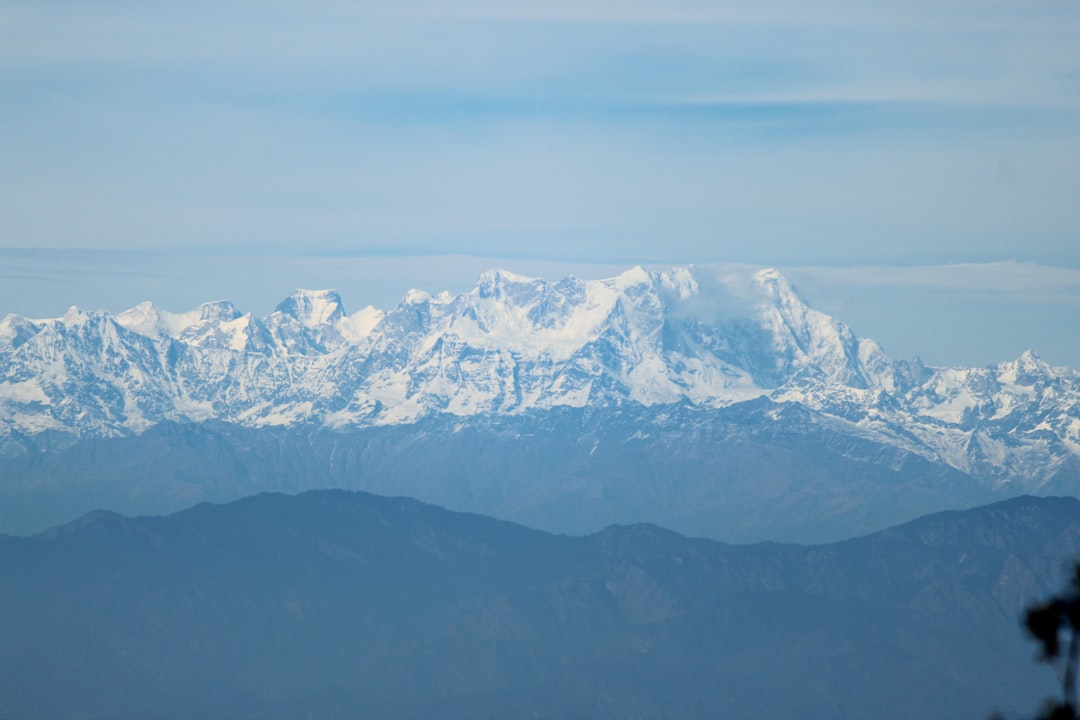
(333, 604)
(703, 345)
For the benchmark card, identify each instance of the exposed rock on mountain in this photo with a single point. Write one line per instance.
(699, 345)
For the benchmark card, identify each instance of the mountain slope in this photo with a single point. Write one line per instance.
(701, 345)
(742, 473)
(334, 604)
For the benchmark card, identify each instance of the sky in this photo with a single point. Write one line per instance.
(913, 167)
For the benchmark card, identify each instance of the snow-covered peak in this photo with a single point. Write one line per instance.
(78, 319)
(153, 322)
(769, 275)
(220, 325)
(313, 307)
(15, 330)
(777, 287)
(219, 310)
(144, 319)
(630, 278)
(501, 275)
(496, 282)
(360, 324)
(536, 317)
(74, 316)
(241, 333)
(1027, 369)
(679, 282)
(706, 335)
(416, 297)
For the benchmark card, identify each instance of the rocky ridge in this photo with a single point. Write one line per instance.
(707, 337)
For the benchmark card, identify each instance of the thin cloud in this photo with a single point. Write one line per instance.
(789, 133)
(1026, 280)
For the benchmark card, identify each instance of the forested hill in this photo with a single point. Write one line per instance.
(340, 604)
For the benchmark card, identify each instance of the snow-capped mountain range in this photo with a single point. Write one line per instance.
(709, 337)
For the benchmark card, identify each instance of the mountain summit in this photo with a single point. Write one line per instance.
(717, 340)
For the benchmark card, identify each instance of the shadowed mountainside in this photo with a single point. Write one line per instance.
(735, 474)
(338, 604)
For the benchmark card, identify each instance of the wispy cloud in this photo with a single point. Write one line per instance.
(967, 314)
(682, 131)
(961, 313)
(1028, 282)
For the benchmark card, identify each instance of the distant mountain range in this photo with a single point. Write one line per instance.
(335, 604)
(711, 399)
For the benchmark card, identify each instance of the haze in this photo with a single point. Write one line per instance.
(911, 166)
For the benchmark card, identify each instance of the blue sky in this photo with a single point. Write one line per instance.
(861, 146)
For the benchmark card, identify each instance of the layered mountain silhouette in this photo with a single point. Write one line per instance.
(335, 604)
(712, 400)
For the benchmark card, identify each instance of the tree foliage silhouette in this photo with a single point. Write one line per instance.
(1055, 624)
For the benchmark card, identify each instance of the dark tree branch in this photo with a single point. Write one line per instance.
(1046, 623)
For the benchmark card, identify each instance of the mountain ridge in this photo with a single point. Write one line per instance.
(709, 336)
(340, 603)
(721, 375)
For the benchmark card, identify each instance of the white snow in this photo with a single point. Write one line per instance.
(317, 307)
(28, 391)
(415, 297)
(360, 324)
(153, 322)
(711, 337)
